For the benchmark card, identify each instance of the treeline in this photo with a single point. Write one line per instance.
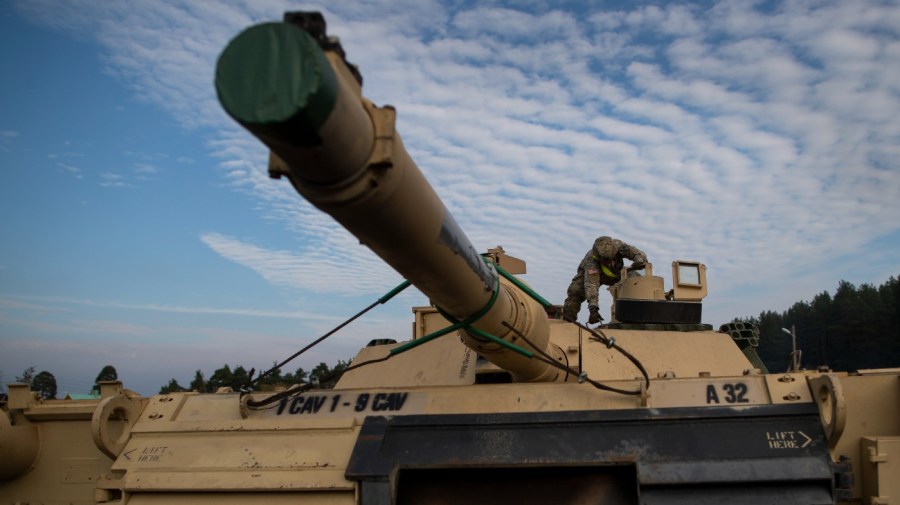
(324, 376)
(44, 382)
(857, 328)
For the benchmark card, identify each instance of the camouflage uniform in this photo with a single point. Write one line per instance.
(601, 265)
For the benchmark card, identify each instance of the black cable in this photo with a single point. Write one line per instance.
(288, 393)
(611, 342)
(390, 294)
(544, 357)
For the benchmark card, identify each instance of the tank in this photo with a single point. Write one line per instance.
(491, 398)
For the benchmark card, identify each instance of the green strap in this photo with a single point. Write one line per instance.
(467, 323)
(455, 326)
(519, 284)
(392, 293)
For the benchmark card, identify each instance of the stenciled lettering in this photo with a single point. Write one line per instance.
(151, 454)
(389, 401)
(711, 395)
(787, 439)
(363, 402)
(307, 405)
(736, 393)
(733, 393)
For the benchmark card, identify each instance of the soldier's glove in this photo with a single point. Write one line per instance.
(595, 316)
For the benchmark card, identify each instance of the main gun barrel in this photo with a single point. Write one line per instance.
(343, 154)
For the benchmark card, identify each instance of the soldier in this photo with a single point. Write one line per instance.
(601, 265)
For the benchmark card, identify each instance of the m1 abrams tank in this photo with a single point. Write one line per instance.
(493, 399)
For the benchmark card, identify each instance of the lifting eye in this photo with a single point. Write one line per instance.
(829, 396)
(112, 422)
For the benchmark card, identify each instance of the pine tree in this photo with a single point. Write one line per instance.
(221, 378)
(108, 373)
(172, 387)
(199, 383)
(45, 384)
(26, 377)
(854, 329)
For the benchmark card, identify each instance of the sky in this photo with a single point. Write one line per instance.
(138, 227)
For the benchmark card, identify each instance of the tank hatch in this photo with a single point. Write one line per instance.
(641, 303)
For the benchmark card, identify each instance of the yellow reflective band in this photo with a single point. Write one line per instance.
(607, 271)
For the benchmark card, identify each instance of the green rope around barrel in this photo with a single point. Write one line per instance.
(521, 285)
(455, 326)
(468, 322)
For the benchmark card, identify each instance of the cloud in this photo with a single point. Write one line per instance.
(752, 136)
(7, 137)
(330, 270)
(113, 180)
(71, 169)
(145, 168)
(17, 304)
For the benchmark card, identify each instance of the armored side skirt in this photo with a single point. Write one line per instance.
(767, 454)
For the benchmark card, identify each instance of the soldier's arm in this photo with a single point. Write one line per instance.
(632, 253)
(592, 282)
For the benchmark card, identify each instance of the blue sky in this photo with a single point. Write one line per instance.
(139, 228)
